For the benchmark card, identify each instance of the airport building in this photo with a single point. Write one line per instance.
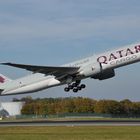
(10, 108)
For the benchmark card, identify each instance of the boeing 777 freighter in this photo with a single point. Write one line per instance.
(97, 67)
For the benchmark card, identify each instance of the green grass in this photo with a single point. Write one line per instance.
(71, 133)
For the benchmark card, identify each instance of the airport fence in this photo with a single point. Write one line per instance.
(75, 115)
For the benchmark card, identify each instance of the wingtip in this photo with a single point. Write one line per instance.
(5, 63)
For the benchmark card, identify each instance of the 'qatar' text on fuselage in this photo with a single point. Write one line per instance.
(119, 54)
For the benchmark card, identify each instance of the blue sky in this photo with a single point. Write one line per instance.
(54, 32)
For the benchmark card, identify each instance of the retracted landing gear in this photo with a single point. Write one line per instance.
(75, 87)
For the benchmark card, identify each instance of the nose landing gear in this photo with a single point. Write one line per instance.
(75, 87)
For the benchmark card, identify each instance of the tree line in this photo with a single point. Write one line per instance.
(52, 106)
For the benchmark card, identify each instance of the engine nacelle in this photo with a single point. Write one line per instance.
(91, 69)
(106, 74)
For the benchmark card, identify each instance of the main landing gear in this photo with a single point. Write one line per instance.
(75, 87)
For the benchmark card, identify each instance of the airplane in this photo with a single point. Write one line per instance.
(100, 67)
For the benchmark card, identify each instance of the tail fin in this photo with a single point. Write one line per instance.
(4, 79)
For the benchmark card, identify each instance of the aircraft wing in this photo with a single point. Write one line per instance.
(48, 70)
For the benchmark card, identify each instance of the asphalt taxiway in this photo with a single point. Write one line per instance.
(73, 123)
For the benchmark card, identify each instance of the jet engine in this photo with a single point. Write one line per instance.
(91, 69)
(95, 70)
(106, 74)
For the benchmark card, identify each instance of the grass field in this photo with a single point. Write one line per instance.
(70, 133)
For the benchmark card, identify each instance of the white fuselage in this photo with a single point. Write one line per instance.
(32, 83)
(110, 60)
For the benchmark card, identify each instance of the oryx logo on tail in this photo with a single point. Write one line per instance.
(2, 80)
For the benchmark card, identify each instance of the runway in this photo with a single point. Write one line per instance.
(73, 123)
